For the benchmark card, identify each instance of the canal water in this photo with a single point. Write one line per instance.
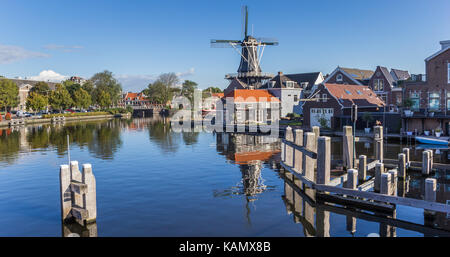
(152, 181)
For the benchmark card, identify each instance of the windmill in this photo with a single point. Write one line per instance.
(249, 70)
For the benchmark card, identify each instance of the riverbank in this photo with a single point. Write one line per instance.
(6, 123)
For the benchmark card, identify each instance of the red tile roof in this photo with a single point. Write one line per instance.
(134, 96)
(349, 94)
(220, 95)
(245, 95)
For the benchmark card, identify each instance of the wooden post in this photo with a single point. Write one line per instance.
(322, 222)
(425, 162)
(66, 197)
(347, 147)
(402, 165)
(289, 151)
(378, 139)
(431, 160)
(352, 179)
(379, 169)
(308, 162)
(298, 156)
(362, 170)
(77, 199)
(90, 198)
(385, 184)
(406, 152)
(323, 160)
(430, 194)
(393, 189)
(316, 131)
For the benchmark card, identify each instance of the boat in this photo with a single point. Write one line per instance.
(429, 146)
(432, 140)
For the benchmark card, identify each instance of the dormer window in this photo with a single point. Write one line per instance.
(272, 83)
(304, 84)
(339, 78)
(289, 84)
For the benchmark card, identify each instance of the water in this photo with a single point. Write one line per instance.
(155, 182)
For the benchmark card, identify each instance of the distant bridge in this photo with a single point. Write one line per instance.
(148, 110)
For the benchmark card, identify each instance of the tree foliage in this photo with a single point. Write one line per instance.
(60, 99)
(211, 90)
(104, 99)
(81, 98)
(105, 82)
(41, 88)
(163, 89)
(9, 94)
(36, 101)
(188, 88)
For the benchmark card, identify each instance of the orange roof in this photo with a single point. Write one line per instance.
(260, 95)
(134, 96)
(244, 158)
(220, 95)
(349, 94)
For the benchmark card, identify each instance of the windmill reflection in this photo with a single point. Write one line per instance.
(250, 152)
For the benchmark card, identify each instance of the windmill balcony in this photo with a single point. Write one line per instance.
(249, 74)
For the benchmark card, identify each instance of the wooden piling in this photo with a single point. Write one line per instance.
(378, 139)
(352, 179)
(385, 184)
(76, 176)
(298, 155)
(347, 147)
(394, 179)
(289, 151)
(66, 198)
(362, 169)
(323, 160)
(406, 152)
(430, 195)
(426, 163)
(90, 198)
(308, 162)
(402, 165)
(379, 169)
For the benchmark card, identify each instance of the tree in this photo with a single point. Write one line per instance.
(367, 117)
(36, 101)
(211, 90)
(9, 94)
(41, 88)
(81, 98)
(104, 99)
(163, 89)
(60, 98)
(407, 103)
(188, 89)
(105, 82)
(71, 87)
(88, 86)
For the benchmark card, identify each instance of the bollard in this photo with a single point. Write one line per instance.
(316, 131)
(347, 147)
(90, 198)
(393, 188)
(379, 169)
(431, 160)
(289, 151)
(406, 152)
(425, 163)
(298, 156)
(378, 139)
(402, 165)
(66, 197)
(362, 170)
(352, 179)
(430, 195)
(308, 162)
(385, 184)
(323, 160)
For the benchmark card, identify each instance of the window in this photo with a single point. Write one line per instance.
(448, 71)
(415, 98)
(348, 92)
(304, 84)
(324, 98)
(448, 101)
(433, 101)
(358, 92)
(289, 84)
(295, 98)
(339, 78)
(378, 85)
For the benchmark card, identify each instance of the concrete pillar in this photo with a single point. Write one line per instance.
(394, 179)
(77, 199)
(426, 163)
(289, 151)
(385, 184)
(402, 165)
(430, 195)
(90, 198)
(379, 169)
(378, 139)
(352, 179)
(308, 162)
(323, 160)
(66, 197)
(406, 152)
(298, 156)
(362, 169)
(347, 147)
(316, 131)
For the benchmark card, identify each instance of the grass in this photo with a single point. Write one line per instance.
(75, 114)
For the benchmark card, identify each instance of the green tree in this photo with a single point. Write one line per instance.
(88, 86)
(105, 82)
(9, 94)
(211, 90)
(81, 98)
(60, 99)
(41, 88)
(163, 89)
(71, 87)
(36, 102)
(367, 117)
(188, 88)
(104, 99)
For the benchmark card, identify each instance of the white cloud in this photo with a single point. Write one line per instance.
(49, 75)
(10, 54)
(191, 71)
(63, 48)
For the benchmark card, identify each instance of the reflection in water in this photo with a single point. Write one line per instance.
(89, 230)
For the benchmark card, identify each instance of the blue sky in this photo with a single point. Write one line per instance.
(138, 40)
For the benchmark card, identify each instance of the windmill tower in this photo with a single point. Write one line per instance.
(249, 70)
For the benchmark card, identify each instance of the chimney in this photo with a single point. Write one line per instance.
(280, 73)
(445, 44)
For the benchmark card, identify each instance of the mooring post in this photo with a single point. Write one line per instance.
(362, 169)
(402, 165)
(323, 160)
(378, 139)
(76, 176)
(308, 162)
(385, 184)
(298, 156)
(431, 160)
(430, 193)
(289, 149)
(316, 131)
(322, 222)
(379, 169)
(347, 147)
(352, 179)
(406, 152)
(394, 179)
(90, 198)
(426, 162)
(66, 194)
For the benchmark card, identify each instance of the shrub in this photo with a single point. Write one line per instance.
(75, 114)
(8, 116)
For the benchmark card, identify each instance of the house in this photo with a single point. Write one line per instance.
(25, 86)
(77, 80)
(349, 76)
(308, 81)
(430, 97)
(334, 102)
(250, 106)
(287, 91)
(134, 99)
(399, 75)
